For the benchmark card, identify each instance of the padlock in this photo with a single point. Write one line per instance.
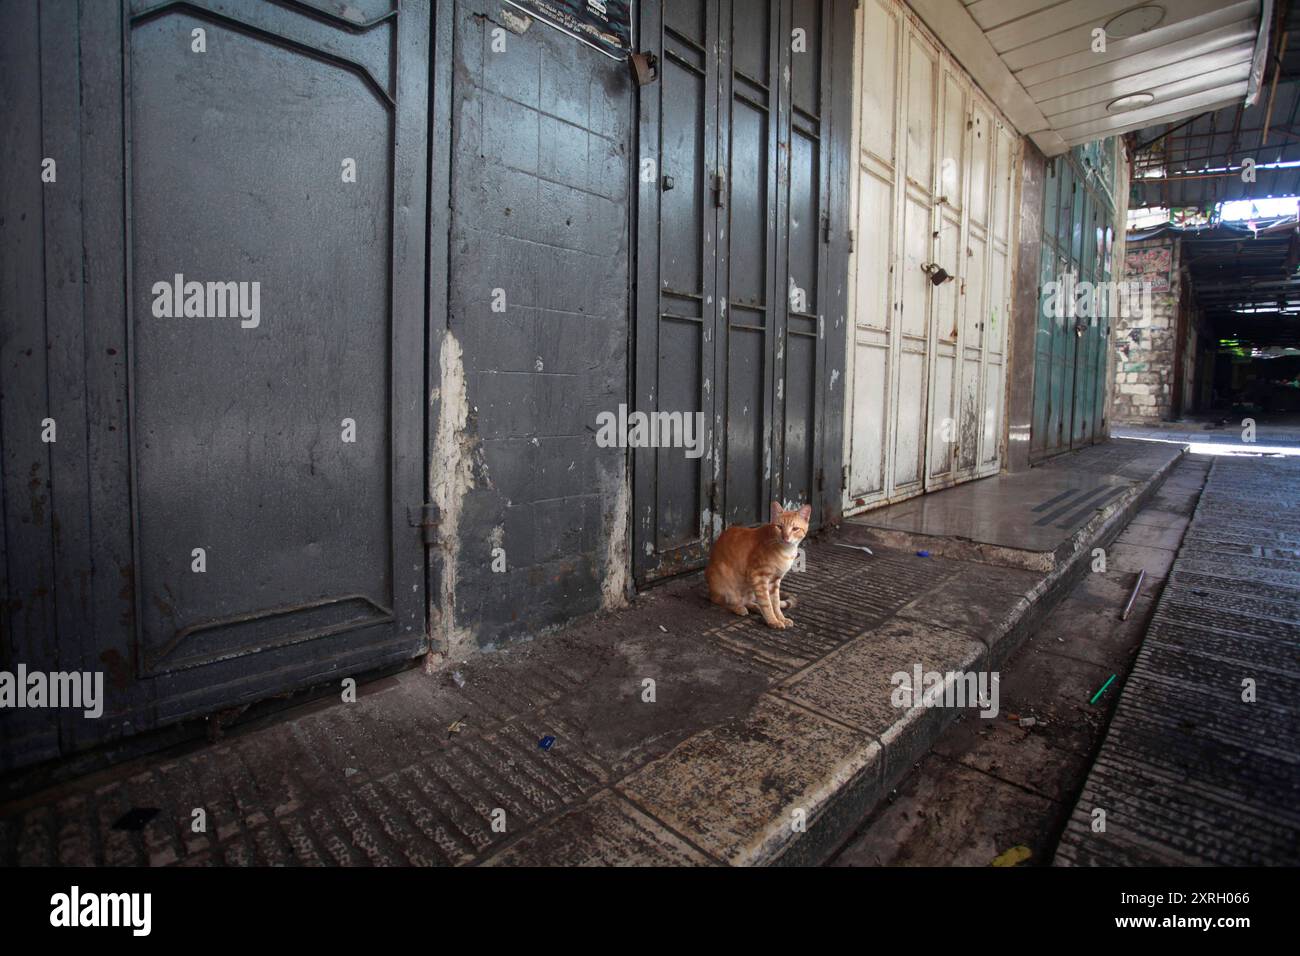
(938, 275)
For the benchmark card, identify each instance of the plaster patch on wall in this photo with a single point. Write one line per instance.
(614, 585)
(451, 476)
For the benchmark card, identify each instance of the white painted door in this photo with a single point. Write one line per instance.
(974, 290)
(1006, 157)
(945, 298)
(870, 371)
(913, 289)
(930, 189)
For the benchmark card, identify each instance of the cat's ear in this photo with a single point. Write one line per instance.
(776, 511)
(806, 512)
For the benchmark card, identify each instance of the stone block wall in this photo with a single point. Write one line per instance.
(1146, 338)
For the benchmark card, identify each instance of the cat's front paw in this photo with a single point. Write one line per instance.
(780, 624)
(789, 621)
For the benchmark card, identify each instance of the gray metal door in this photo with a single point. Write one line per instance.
(733, 245)
(679, 198)
(235, 494)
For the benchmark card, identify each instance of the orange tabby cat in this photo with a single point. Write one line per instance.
(746, 565)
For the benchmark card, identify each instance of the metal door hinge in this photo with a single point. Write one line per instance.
(426, 518)
(826, 227)
(844, 478)
(720, 190)
(851, 237)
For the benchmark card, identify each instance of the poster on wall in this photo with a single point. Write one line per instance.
(1150, 265)
(603, 24)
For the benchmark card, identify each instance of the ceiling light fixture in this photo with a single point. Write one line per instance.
(1132, 101)
(1134, 21)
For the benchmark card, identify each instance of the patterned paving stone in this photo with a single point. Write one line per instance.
(1191, 771)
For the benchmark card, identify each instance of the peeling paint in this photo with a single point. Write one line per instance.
(614, 586)
(451, 478)
(516, 23)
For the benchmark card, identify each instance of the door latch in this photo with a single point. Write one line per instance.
(645, 67)
(426, 518)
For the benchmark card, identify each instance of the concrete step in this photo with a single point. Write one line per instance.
(1037, 520)
(670, 732)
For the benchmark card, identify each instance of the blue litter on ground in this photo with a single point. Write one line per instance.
(547, 742)
(923, 554)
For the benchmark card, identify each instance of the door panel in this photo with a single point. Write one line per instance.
(921, 59)
(999, 305)
(942, 433)
(798, 355)
(913, 344)
(805, 221)
(312, 540)
(202, 388)
(936, 347)
(27, 558)
(1070, 375)
(918, 247)
(973, 311)
(747, 292)
(945, 299)
(981, 146)
(872, 364)
(676, 278)
(731, 268)
(248, 474)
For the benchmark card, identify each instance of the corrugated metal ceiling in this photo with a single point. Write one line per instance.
(1198, 162)
(1037, 60)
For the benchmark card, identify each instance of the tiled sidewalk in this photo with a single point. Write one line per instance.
(758, 746)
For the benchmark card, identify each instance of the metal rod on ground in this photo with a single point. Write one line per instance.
(1137, 586)
(857, 547)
